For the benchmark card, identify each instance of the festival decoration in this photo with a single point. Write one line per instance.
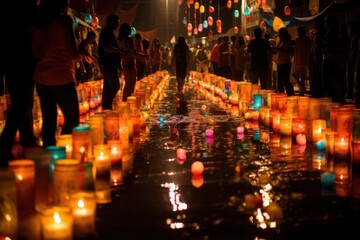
(287, 10)
(236, 13)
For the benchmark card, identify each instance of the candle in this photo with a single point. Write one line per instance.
(97, 128)
(275, 120)
(344, 120)
(301, 139)
(24, 171)
(197, 168)
(341, 146)
(124, 136)
(342, 171)
(298, 126)
(112, 125)
(83, 206)
(258, 101)
(102, 160)
(65, 180)
(81, 143)
(56, 223)
(355, 153)
(285, 126)
(56, 153)
(8, 208)
(318, 125)
(65, 140)
(115, 151)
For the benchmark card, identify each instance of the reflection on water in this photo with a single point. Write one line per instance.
(253, 181)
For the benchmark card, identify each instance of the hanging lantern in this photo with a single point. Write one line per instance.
(189, 33)
(287, 10)
(210, 21)
(219, 29)
(211, 9)
(218, 23)
(190, 1)
(236, 30)
(211, 34)
(236, 13)
(236, 1)
(202, 9)
(248, 18)
(184, 21)
(262, 24)
(133, 31)
(263, 4)
(205, 24)
(196, 5)
(247, 11)
(179, 2)
(76, 22)
(189, 27)
(229, 4)
(200, 27)
(88, 18)
(95, 22)
(196, 31)
(247, 38)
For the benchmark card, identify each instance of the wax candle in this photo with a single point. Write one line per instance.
(112, 125)
(83, 207)
(298, 126)
(341, 146)
(318, 125)
(234, 99)
(344, 120)
(81, 143)
(56, 223)
(97, 128)
(342, 171)
(102, 160)
(115, 151)
(24, 171)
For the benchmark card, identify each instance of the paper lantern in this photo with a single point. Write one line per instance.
(218, 23)
(189, 27)
(88, 18)
(179, 2)
(202, 9)
(236, 30)
(184, 21)
(133, 31)
(219, 29)
(248, 18)
(229, 4)
(287, 10)
(236, 1)
(263, 4)
(247, 37)
(247, 11)
(189, 33)
(205, 24)
(277, 24)
(190, 1)
(236, 13)
(196, 31)
(200, 27)
(211, 9)
(95, 22)
(196, 5)
(210, 21)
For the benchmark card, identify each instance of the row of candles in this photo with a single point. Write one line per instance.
(65, 182)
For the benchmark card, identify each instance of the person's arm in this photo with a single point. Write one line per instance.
(70, 36)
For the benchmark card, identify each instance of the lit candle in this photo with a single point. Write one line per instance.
(24, 171)
(8, 209)
(83, 205)
(285, 126)
(318, 125)
(56, 223)
(65, 140)
(341, 146)
(115, 151)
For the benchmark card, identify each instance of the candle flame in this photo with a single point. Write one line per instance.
(8, 217)
(342, 140)
(81, 203)
(57, 218)
(20, 177)
(82, 149)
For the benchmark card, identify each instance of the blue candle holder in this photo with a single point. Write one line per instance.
(56, 153)
(258, 101)
(327, 179)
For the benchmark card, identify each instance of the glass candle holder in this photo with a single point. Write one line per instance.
(24, 171)
(298, 126)
(112, 125)
(302, 107)
(81, 143)
(341, 146)
(264, 115)
(314, 108)
(330, 147)
(333, 117)
(8, 205)
(258, 101)
(317, 126)
(65, 180)
(56, 153)
(285, 126)
(344, 120)
(355, 153)
(65, 140)
(291, 106)
(325, 103)
(275, 120)
(83, 208)
(56, 223)
(97, 128)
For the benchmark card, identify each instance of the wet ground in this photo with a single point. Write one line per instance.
(249, 189)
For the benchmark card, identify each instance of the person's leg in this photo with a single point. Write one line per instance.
(130, 81)
(110, 87)
(288, 86)
(67, 100)
(49, 114)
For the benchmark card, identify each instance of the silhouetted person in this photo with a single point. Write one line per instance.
(55, 51)
(180, 59)
(109, 60)
(17, 65)
(86, 50)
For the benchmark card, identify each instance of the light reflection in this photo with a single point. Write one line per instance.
(175, 197)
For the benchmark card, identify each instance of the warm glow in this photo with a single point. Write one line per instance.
(20, 177)
(8, 217)
(82, 150)
(57, 218)
(81, 203)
